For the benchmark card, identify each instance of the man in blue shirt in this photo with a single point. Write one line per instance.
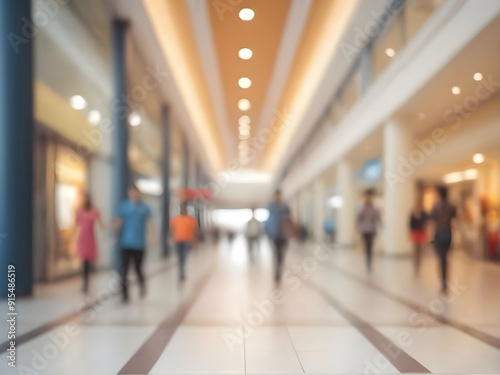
(277, 227)
(132, 221)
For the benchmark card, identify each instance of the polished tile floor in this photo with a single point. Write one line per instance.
(327, 316)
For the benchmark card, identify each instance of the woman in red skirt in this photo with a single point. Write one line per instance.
(418, 221)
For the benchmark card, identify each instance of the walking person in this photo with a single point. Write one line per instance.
(277, 227)
(368, 220)
(183, 229)
(253, 232)
(86, 245)
(443, 214)
(418, 233)
(132, 223)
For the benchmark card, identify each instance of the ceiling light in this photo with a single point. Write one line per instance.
(421, 116)
(244, 136)
(244, 104)
(478, 158)
(134, 119)
(243, 145)
(245, 132)
(244, 82)
(94, 117)
(77, 102)
(456, 90)
(390, 52)
(245, 53)
(247, 14)
(478, 76)
(244, 120)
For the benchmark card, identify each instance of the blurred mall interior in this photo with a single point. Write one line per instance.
(218, 104)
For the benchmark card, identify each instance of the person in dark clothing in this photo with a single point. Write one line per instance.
(443, 214)
(418, 233)
(368, 220)
(277, 227)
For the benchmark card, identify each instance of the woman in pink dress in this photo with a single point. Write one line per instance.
(86, 245)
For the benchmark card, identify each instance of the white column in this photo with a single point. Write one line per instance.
(400, 159)
(346, 225)
(319, 208)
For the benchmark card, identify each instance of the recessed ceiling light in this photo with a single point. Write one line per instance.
(244, 82)
(134, 119)
(244, 136)
(421, 116)
(390, 52)
(245, 132)
(244, 104)
(478, 158)
(94, 117)
(77, 102)
(478, 76)
(245, 53)
(247, 14)
(244, 120)
(456, 90)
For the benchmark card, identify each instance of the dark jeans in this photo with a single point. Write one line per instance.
(136, 257)
(368, 241)
(442, 243)
(279, 254)
(182, 252)
(86, 274)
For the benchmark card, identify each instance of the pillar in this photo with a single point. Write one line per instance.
(399, 187)
(165, 226)
(346, 218)
(120, 168)
(319, 208)
(186, 164)
(16, 146)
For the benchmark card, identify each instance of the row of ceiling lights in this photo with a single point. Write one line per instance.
(94, 117)
(245, 14)
(456, 90)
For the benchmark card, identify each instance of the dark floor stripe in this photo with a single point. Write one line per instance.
(148, 354)
(471, 331)
(400, 360)
(30, 335)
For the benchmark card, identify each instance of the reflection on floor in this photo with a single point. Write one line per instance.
(328, 316)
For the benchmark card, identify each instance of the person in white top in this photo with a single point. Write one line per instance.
(253, 232)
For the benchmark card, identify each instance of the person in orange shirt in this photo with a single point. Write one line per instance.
(183, 229)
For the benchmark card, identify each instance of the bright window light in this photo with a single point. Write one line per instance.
(335, 201)
(469, 174)
(244, 104)
(244, 82)
(134, 119)
(247, 14)
(78, 102)
(149, 186)
(245, 53)
(94, 117)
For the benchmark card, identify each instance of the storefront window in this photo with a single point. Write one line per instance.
(70, 184)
